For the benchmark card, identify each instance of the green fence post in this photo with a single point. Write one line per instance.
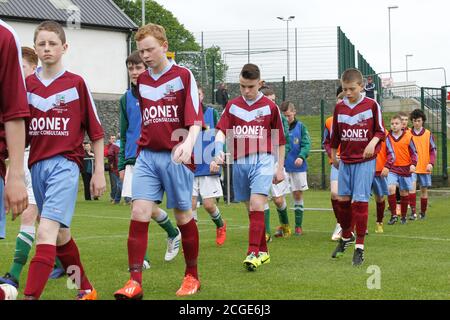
(284, 88)
(444, 134)
(322, 154)
(213, 81)
(422, 98)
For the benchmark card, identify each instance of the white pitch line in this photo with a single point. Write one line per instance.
(111, 236)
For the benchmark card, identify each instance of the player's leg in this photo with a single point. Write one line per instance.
(392, 197)
(173, 234)
(69, 255)
(177, 181)
(279, 191)
(412, 197)
(425, 183)
(334, 174)
(267, 220)
(141, 213)
(211, 189)
(299, 211)
(363, 175)
(24, 243)
(345, 209)
(146, 191)
(42, 263)
(380, 189)
(405, 187)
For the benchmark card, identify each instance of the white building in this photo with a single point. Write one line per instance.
(98, 34)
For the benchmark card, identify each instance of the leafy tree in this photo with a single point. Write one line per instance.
(187, 51)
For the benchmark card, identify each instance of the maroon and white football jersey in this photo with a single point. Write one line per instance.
(168, 101)
(13, 97)
(253, 128)
(354, 126)
(62, 110)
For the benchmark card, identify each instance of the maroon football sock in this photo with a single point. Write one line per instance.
(256, 231)
(423, 205)
(190, 242)
(40, 268)
(381, 206)
(137, 246)
(69, 256)
(335, 205)
(345, 218)
(361, 214)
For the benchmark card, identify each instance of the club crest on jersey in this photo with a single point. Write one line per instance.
(361, 119)
(259, 116)
(296, 141)
(60, 100)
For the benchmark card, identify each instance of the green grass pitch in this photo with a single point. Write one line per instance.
(414, 259)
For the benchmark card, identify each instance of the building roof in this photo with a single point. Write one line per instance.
(104, 14)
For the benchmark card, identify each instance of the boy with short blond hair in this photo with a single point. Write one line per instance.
(62, 110)
(404, 165)
(357, 129)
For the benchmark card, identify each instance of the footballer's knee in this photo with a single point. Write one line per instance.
(142, 210)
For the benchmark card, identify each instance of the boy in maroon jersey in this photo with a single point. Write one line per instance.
(13, 110)
(357, 129)
(62, 110)
(254, 123)
(171, 110)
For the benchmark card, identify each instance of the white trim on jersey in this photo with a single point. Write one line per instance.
(259, 96)
(48, 82)
(352, 120)
(19, 48)
(46, 104)
(94, 107)
(155, 94)
(249, 116)
(194, 92)
(352, 105)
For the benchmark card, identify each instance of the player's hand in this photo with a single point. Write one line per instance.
(429, 168)
(122, 175)
(336, 162)
(214, 166)
(412, 168)
(98, 184)
(183, 153)
(385, 172)
(278, 176)
(298, 162)
(369, 151)
(16, 197)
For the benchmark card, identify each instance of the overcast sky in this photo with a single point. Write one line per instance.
(418, 27)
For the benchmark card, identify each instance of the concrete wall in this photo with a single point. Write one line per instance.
(97, 55)
(305, 95)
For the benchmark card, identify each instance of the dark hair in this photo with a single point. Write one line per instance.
(134, 58)
(352, 75)
(51, 26)
(339, 91)
(251, 71)
(286, 105)
(418, 113)
(267, 91)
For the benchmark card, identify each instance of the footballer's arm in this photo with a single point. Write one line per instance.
(98, 182)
